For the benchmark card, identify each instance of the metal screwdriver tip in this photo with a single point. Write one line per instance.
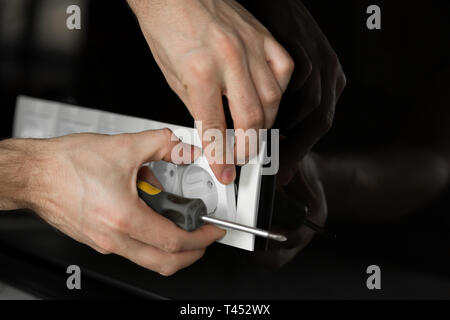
(244, 228)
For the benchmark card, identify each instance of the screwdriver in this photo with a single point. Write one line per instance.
(190, 214)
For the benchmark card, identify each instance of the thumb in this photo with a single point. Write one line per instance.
(162, 144)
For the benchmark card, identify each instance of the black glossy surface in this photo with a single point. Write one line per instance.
(323, 271)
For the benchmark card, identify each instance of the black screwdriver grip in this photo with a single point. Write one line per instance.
(184, 212)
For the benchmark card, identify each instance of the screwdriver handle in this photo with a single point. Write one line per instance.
(190, 214)
(184, 212)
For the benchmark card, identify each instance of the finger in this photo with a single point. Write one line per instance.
(280, 62)
(146, 174)
(207, 110)
(155, 145)
(151, 228)
(154, 259)
(246, 111)
(268, 90)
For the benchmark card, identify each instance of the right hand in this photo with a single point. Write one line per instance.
(207, 49)
(85, 186)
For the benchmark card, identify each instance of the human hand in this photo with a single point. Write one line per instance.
(85, 186)
(207, 49)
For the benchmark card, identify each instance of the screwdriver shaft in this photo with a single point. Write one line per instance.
(241, 227)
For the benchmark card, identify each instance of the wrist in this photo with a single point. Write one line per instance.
(19, 172)
(13, 174)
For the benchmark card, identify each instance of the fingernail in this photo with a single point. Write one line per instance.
(228, 174)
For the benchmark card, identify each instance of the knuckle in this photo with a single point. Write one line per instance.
(124, 145)
(150, 264)
(287, 66)
(200, 72)
(209, 124)
(167, 271)
(272, 97)
(228, 44)
(200, 68)
(254, 118)
(167, 134)
(169, 266)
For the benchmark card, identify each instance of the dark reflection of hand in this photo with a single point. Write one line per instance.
(307, 109)
(305, 187)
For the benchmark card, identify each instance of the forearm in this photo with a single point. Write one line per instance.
(383, 185)
(15, 167)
